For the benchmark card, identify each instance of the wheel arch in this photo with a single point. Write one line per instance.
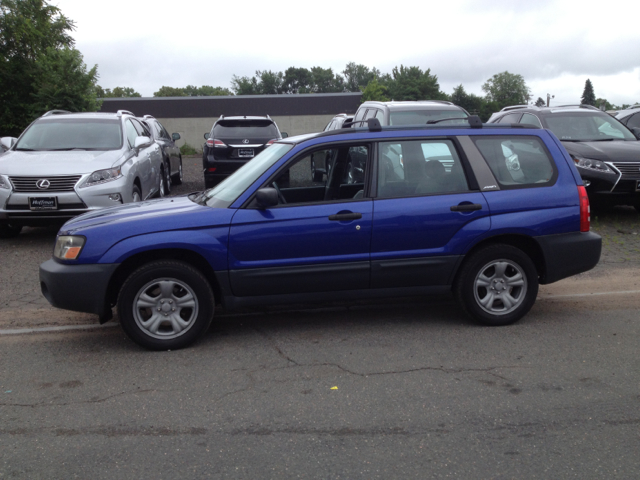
(135, 261)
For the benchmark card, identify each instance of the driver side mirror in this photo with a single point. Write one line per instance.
(267, 197)
(284, 134)
(175, 136)
(8, 142)
(206, 136)
(141, 142)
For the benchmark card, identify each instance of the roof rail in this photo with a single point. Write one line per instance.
(149, 116)
(55, 112)
(636, 105)
(444, 102)
(513, 107)
(581, 105)
(474, 120)
(125, 112)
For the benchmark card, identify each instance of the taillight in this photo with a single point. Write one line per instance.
(585, 210)
(270, 142)
(212, 142)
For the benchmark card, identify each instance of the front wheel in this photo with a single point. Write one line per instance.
(166, 180)
(177, 178)
(136, 195)
(497, 285)
(165, 305)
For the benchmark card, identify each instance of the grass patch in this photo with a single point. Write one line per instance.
(187, 149)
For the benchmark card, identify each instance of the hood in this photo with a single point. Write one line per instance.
(131, 219)
(76, 162)
(608, 151)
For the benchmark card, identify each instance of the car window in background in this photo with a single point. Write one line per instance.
(418, 117)
(70, 134)
(517, 161)
(511, 118)
(422, 167)
(245, 129)
(634, 121)
(579, 127)
(530, 120)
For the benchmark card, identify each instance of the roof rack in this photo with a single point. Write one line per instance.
(149, 116)
(514, 107)
(125, 112)
(580, 105)
(55, 112)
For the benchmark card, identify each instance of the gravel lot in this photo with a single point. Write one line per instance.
(22, 305)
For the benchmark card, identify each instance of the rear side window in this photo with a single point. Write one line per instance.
(419, 167)
(518, 161)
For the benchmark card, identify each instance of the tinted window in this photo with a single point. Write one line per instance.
(422, 167)
(69, 134)
(420, 117)
(511, 118)
(586, 126)
(517, 161)
(245, 129)
(530, 120)
(634, 121)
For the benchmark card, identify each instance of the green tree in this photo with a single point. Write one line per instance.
(33, 35)
(507, 89)
(244, 85)
(297, 80)
(588, 97)
(470, 102)
(411, 83)
(358, 76)
(165, 91)
(374, 91)
(323, 80)
(540, 102)
(206, 91)
(269, 83)
(603, 104)
(118, 92)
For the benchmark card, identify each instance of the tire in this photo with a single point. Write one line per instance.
(161, 191)
(136, 195)
(177, 178)
(497, 285)
(165, 305)
(166, 178)
(9, 231)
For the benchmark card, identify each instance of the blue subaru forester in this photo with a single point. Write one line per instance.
(487, 212)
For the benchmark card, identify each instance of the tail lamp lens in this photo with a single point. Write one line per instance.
(585, 209)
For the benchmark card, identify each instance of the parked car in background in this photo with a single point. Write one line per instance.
(6, 143)
(629, 116)
(409, 113)
(65, 164)
(605, 151)
(337, 121)
(485, 212)
(232, 142)
(322, 166)
(171, 156)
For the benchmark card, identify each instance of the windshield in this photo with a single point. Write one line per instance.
(587, 127)
(227, 191)
(420, 117)
(72, 134)
(245, 129)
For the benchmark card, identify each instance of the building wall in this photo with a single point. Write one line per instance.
(192, 130)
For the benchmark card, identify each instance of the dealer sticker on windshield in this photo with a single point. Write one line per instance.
(43, 203)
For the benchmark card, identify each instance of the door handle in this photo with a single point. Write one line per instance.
(467, 207)
(345, 216)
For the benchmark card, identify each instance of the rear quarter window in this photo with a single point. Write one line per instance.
(518, 162)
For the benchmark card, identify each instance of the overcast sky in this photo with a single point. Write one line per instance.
(555, 45)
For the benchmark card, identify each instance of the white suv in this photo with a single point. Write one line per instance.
(65, 164)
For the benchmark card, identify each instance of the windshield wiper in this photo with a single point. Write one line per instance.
(66, 149)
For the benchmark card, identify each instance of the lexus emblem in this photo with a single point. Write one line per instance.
(43, 184)
(245, 141)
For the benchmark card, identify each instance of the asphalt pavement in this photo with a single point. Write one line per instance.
(406, 388)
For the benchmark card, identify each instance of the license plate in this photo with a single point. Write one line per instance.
(43, 203)
(245, 152)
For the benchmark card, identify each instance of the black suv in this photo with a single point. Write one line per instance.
(171, 157)
(409, 113)
(232, 142)
(605, 151)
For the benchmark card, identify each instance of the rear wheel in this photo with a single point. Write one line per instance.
(166, 180)
(135, 194)
(497, 285)
(9, 231)
(177, 178)
(165, 304)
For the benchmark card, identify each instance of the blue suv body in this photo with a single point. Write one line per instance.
(485, 212)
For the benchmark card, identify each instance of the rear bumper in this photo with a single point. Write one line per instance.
(81, 288)
(568, 254)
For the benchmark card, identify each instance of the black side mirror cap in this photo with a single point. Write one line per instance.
(175, 136)
(267, 197)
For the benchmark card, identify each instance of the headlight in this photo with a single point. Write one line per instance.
(4, 183)
(68, 247)
(591, 164)
(102, 176)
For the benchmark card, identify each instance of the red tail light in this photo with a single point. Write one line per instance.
(212, 142)
(585, 210)
(270, 142)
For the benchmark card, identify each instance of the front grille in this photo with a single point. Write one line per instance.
(57, 184)
(629, 170)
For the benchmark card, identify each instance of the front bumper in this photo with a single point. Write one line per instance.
(568, 254)
(81, 288)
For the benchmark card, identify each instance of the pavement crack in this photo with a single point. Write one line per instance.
(80, 402)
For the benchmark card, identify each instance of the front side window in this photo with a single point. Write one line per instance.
(587, 127)
(132, 133)
(419, 167)
(72, 134)
(517, 161)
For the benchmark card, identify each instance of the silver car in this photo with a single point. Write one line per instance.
(65, 164)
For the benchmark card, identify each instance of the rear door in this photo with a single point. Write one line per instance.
(316, 240)
(425, 213)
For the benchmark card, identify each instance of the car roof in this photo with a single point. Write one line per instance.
(414, 105)
(548, 110)
(247, 117)
(64, 114)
